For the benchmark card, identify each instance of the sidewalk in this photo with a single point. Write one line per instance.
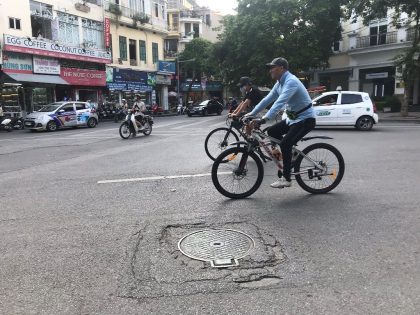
(413, 117)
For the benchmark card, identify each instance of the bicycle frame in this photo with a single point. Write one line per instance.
(264, 141)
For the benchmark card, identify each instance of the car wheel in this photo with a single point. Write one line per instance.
(91, 123)
(204, 112)
(364, 123)
(219, 112)
(51, 126)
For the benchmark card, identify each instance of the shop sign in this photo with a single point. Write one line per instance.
(83, 77)
(197, 86)
(116, 86)
(167, 66)
(379, 75)
(52, 49)
(128, 75)
(163, 79)
(46, 65)
(17, 63)
(107, 32)
(139, 87)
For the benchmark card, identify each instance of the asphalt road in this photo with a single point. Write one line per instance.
(70, 245)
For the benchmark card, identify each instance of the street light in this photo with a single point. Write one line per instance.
(177, 70)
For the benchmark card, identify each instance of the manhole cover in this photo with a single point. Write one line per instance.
(222, 248)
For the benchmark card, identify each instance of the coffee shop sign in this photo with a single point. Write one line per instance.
(52, 49)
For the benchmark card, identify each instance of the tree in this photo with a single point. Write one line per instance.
(373, 9)
(201, 51)
(301, 31)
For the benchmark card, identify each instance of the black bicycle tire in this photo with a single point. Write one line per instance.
(340, 174)
(220, 160)
(211, 133)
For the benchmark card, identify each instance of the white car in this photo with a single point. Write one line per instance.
(62, 115)
(345, 108)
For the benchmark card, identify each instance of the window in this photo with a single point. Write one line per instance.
(81, 106)
(93, 34)
(351, 98)
(41, 20)
(155, 52)
(68, 28)
(378, 35)
(196, 30)
(142, 44)
(327, 100)
(136, 6)
(14, 23)
(68, 108)
(156, 10)
(336, 46)
(187, 28)
(132, 49)
(123, 48)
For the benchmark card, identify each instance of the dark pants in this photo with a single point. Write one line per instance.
(289, 136)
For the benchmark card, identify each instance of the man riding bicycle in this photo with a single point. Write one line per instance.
(252, 97)
(290, 94)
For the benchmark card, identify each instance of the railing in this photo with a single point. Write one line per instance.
(375, 40)
(173, 28)
(118, 9)
(410, 34)
(133, 62)
(170, 54)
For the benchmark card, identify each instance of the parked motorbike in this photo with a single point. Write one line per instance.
(120, 113)
(17, 123)
(6, 124)
(181, 109)
(129, 125)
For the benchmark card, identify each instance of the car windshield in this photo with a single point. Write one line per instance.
(50, 107)
(204, 103)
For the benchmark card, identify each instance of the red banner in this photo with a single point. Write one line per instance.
(107, 32)
(83, 77)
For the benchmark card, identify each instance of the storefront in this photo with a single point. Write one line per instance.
(163, 80)
(45, 72)
(199, 91)
(126, 84)
(378, 82)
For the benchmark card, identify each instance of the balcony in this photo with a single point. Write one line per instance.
(375, 40)
(120, 10)
(170, 53)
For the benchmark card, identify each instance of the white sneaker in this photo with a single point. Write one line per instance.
(281, 183)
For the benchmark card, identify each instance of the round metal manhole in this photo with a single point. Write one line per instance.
(220, 247)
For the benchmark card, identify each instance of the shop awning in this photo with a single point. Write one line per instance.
(37, 78)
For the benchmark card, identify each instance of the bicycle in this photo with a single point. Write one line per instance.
(220, 138)
(311, 166)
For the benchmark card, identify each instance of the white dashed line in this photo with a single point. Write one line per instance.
(153, 178)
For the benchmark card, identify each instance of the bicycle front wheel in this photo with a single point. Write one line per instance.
(218, 140)
(237, 173)
(321, 170)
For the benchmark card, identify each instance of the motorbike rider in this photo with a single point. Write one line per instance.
(139, 108)
(291, 94)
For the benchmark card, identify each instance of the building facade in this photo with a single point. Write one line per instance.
(364, 59)
(102, 51)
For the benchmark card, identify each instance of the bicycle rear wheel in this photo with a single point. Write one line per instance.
(329, 174)
(237, 173)
(218, 140)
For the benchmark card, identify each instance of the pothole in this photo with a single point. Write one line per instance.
(156, 266)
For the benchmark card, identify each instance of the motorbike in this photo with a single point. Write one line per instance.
(17, 123)
(120, 113)
(181, 109)
(129, 125)
(6, 124)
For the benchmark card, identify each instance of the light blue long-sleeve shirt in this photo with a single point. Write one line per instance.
(288, 93)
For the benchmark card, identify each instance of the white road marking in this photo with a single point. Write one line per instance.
(195, 123)
(152, 178)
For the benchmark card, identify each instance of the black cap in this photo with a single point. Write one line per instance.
(278, 62)
(244, 81)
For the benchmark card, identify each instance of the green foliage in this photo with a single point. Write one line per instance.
(301, 31)
(393, 102)
(202, 51)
